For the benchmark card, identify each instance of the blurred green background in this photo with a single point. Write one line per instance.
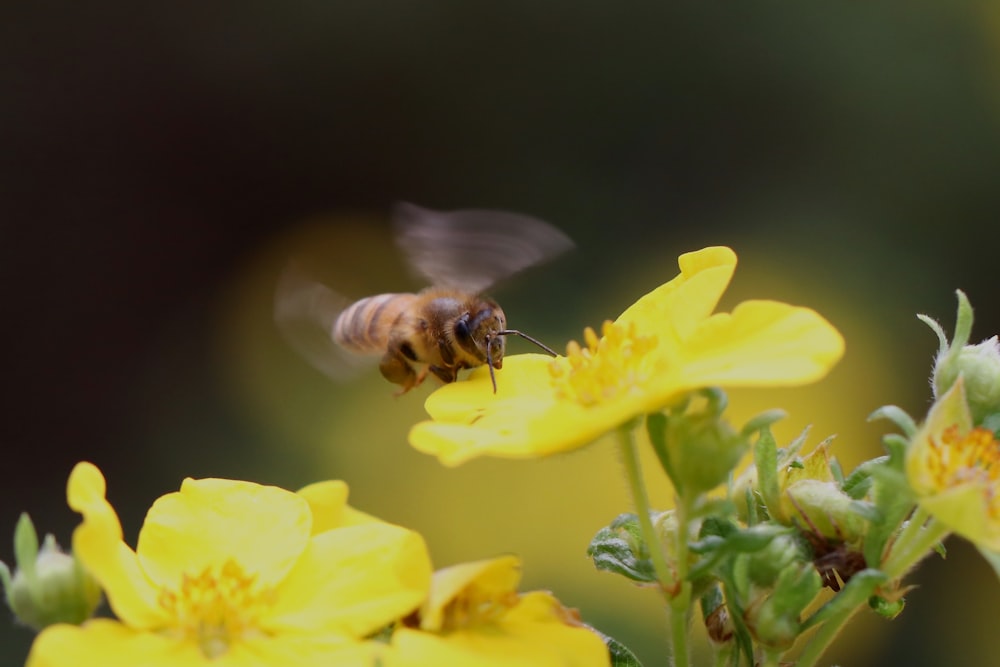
(159, 163)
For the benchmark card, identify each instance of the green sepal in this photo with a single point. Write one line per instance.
(859, 482)
(897, 416)
(620, 548)
(787, 455)
(888, 609)
(762, 421)
(26, 546)
(894, 501)
(765, 456)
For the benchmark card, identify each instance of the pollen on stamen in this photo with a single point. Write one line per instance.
(608, 366)
(216, 607)
(972, 458)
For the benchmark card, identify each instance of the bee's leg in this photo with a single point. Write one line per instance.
(396, 368)
(446, 373)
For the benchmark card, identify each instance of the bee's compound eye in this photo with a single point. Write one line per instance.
(462, 332)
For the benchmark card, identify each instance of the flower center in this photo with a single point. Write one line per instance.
(216, 607)
(971, 458)
(606, 367)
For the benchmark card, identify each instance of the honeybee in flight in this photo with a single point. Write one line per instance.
(445, 328)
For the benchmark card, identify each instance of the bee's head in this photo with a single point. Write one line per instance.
(478, 332)
(482, 332)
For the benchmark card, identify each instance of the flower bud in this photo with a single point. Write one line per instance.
(978, 365)
(765, 566)
(697, 448)
(774, 619)
(825, 509)
(49, 585)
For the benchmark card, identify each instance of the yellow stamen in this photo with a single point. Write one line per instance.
(973, 458)
(606, 367)
(216, 607)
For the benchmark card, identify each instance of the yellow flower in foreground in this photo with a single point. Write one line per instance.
(475, 617)
(955, 470)
(237, 574)
(666, 344)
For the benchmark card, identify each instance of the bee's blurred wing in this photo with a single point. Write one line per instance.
(305, 312)
(472, 249)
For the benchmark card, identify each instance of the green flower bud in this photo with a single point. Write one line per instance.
(697, 448)
(765, 566)
(978, 365)
(775, 619)
(49, 585)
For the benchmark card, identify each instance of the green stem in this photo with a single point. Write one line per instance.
(667, 580)
(824, 637)
(680, 605)
(916, 541)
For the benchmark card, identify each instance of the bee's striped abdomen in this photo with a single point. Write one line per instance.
(364, 326)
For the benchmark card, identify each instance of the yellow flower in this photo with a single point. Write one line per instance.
(666, 344)
(955, 470)
(475, 617)
(235, 573)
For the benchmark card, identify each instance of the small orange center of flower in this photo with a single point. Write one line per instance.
(972, 458)
(475, 607)
(605, 368)
(216, 607)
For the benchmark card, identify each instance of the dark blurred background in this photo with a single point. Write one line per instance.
(160, 163)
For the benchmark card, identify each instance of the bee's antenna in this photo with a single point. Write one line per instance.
(507, 332)
(489, 362)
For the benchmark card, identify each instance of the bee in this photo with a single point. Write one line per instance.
(443, 329)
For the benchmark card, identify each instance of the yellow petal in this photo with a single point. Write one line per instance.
(761, 343)
(674, 309)
(493, 577)
(210, 521)
(532, 634)
(110, 644)
(97, 542)
(328, 504)
(965, 510)
(303, 651)
(951, 409)
(523, 376)
(353, 581)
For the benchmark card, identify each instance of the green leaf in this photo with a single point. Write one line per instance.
(619, 548)
(620, 655)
